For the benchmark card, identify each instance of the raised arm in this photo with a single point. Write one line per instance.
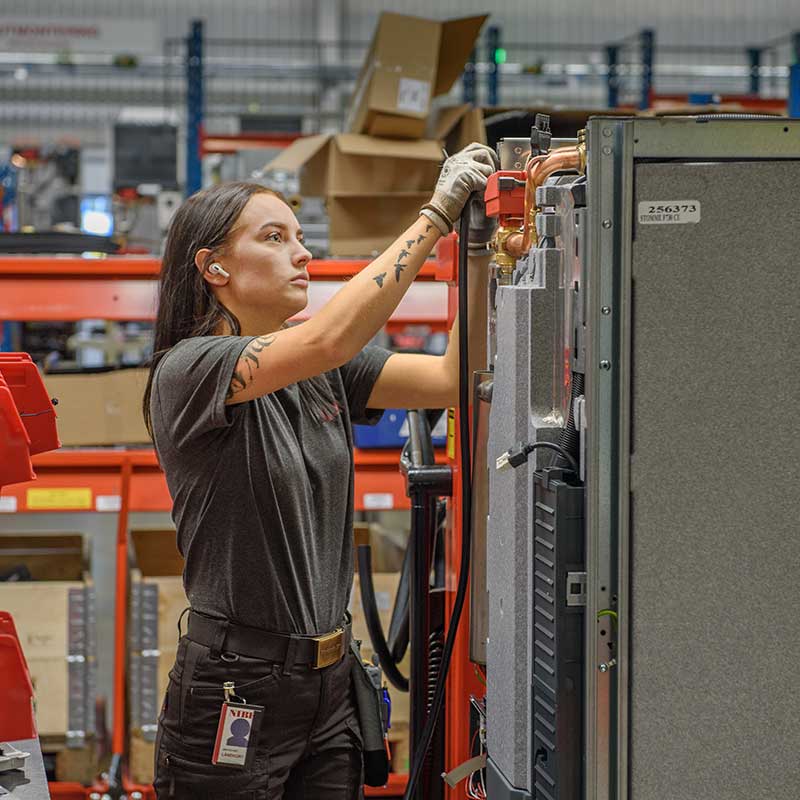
(363, 306)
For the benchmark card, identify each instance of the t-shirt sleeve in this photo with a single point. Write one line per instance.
(359, 376)
(190, 387)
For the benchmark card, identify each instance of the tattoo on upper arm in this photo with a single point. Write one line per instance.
(248, 361)
(379, 279)
(398, 268)
(428, 228)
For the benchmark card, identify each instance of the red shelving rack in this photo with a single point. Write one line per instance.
(52, 288)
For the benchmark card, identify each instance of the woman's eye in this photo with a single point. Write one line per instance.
(274, 237)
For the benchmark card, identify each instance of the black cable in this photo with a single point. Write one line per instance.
(515, 456)
(466, 505)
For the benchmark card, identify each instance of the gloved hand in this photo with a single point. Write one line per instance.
(463, 173)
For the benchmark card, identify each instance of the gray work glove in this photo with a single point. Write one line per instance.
(463, 173)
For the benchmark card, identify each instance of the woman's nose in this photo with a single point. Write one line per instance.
(302, 256)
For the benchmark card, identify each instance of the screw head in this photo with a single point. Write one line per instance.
(136, 796)
(607, 132)
(606, 310)
(94, 796)
(604, 364)
(607, 223)
(606, 151)
(603, 667)
(517, 151)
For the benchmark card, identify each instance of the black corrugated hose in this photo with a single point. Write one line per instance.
(570, 436)
(464, 381)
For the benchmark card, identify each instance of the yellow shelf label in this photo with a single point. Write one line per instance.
(73, 499)
(451, 433)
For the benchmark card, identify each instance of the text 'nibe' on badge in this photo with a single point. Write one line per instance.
(669, 212)
(237, 734)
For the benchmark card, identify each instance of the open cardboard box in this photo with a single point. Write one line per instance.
(457, 126)
(373, 187)
(410, 61)
(45, 611)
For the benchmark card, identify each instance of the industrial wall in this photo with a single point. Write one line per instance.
(264, 57)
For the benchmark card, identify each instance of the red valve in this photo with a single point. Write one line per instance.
(505, 194)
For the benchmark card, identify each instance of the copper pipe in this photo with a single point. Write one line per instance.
(539, 169)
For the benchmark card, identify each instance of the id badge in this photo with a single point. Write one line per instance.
(237, 734)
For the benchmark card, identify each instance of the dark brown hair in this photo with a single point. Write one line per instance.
(186, 304)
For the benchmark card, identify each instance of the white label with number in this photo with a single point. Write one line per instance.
(8, 505)
(374, 501)
(108, 502)
(413, 95)
(669, 212)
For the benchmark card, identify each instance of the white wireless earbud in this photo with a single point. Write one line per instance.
(217, 270)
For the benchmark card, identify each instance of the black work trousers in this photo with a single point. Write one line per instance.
(309, 745)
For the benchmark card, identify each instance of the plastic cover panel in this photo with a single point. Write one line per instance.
(715, 694)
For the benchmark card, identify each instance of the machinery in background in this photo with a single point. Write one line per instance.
(145, 179)
(47, 193)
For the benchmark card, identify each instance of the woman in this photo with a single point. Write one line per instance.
(252, 421)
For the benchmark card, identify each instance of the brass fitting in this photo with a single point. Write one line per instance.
(582, 148)
(505, 261)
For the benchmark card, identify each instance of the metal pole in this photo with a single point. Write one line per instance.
(194, 107)
(755, 70)
(468, 83)
(612, 60)
(647, 40)
(794, 78)
(493, 76)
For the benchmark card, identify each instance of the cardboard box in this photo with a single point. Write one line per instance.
(100, 408)
(457, 126)
(410, 61)
(41, 608)
(373, 187)
(156, 589)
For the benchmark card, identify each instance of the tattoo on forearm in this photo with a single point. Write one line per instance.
(249, 359)
(404, 253)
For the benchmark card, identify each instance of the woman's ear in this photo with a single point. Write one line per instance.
(203, 260)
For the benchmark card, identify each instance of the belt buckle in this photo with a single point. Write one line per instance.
(329, 648)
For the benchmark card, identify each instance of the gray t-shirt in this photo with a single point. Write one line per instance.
(262, 491)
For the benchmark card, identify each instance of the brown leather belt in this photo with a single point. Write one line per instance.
(290, 649)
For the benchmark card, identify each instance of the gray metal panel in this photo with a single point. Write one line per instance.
(607, 253)
(715, 692)
(681, 137)
(77, 704)
(148, 665)
(522, 410)
(508, 563)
